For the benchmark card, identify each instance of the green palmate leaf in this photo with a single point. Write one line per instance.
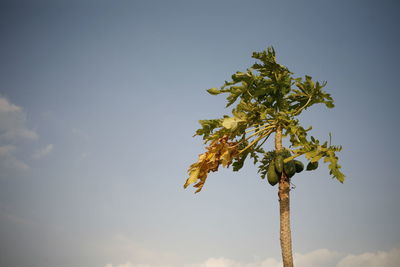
(207, 127)
(338, 174)
(334, 167)
(330, 105)
(238, 164)
(231, 123)
(235, 93)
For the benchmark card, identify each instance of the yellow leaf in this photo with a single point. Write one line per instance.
(226, 158)
(211, 156)
(220, 151)
(193, 177)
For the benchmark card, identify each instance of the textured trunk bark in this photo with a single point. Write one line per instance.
(284, 210)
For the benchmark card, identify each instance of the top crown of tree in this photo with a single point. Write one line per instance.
(267, 99)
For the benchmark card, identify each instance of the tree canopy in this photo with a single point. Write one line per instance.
(264, 98)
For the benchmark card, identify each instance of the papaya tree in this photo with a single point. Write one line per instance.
(266, 101)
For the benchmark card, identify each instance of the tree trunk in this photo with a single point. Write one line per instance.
(284, 210)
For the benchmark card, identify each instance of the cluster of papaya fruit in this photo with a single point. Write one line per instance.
(277, 166)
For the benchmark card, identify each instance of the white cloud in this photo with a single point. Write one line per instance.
(129, 264)
(122, 247)
(43, 151)
(6, 106)
(378, 259)
(271, 262)
(14, 133)
(320, 258)
(317, 258)
(218, 262)
(13, 124)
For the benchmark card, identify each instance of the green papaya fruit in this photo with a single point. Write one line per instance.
(279, 164)
(299, 166)
(272, 176)
(289, 168)
(312, 166)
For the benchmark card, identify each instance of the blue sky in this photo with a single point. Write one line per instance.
(98, 104)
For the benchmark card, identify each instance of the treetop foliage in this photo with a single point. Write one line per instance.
(264, 98)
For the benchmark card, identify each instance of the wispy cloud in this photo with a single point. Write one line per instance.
(120, 246)
(6, 106)
(14, 131)
(43, 151)
(13, 123)
(317, 258)
(381, 258)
